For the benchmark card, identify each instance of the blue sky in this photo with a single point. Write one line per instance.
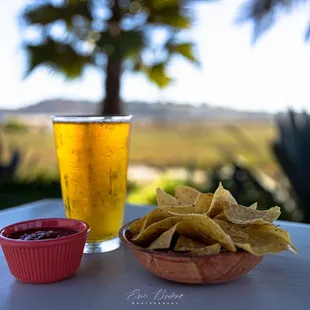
(272, 75)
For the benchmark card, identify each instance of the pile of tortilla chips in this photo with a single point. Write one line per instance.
(206, 223)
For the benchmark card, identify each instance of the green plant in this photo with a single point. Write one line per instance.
(8, 170)
(14, 192)
(17, 192)
(14, 125)
(113, 35)
(292, 150)
(264, 13)
(147, 194)
(249, 185)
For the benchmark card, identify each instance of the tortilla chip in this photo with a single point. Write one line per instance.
(183, 229)
(260, 250)
(265, 243)
(156, 215)
(220, 198)
(233, 230)
(204, 223)
(208, 228)
(152, 232)
(143, 224)
(206, 250)
(259, 239)
(185, 242)
(186, 195)
(244, 215)
(164, 240)
(164, 199)
(221, 217)
(253, 206)
(136, 226)
(161, 213)
(203, 202)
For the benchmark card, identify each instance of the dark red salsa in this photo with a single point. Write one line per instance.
(42, 234)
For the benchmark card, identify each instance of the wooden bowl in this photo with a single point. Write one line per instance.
(187, 268)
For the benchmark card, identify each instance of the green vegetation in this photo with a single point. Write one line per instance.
(202, 144)
(18, 192)
(14, 125)
(174, 145)
(147, 194)
(263, 14)
(159, 145)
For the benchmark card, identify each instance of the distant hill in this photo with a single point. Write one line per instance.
(59, 106)
(143, 111)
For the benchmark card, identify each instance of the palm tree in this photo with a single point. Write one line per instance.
(264, 13)
(113, 35)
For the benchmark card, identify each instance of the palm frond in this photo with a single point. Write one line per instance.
(43, 15)
(137, 64)
(57, 56)
(307, 34)
(158, 75)
(159, 5)
(47, 14)
(185, 49)
(170, 13)
(125, 43)
(263, 13)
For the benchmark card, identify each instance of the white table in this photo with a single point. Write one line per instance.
(105, 281)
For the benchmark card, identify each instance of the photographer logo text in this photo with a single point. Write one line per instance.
(158, 297)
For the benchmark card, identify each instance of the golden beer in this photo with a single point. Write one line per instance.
(92, 156)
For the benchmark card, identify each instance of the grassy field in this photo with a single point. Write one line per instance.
(161, 145)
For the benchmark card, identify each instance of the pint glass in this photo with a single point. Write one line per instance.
(92, 154)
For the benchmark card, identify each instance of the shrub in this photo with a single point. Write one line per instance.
(147, 194)
(14, 125)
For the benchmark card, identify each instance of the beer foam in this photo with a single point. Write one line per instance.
(92, 119)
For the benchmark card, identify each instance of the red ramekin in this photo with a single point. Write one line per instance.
(44, 261)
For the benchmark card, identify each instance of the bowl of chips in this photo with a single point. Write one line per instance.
(202, 238)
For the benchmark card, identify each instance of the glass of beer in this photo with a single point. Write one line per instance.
(92, 154)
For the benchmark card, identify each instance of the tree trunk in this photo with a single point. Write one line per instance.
(112, 103)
